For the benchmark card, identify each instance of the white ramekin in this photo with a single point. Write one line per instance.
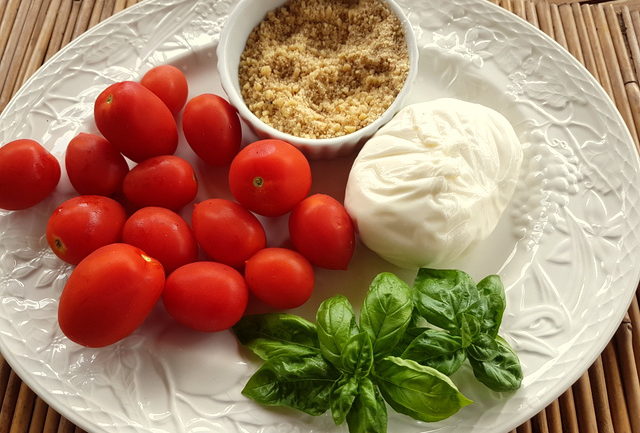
(244, 17)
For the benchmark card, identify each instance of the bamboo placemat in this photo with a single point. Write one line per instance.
(602, 35)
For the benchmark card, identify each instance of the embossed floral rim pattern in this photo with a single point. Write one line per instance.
(574, 218)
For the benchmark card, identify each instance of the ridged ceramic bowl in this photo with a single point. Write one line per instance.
(246, 15)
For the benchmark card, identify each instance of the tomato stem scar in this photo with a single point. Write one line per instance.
(109, 99)
(258, 181)
(147, 258)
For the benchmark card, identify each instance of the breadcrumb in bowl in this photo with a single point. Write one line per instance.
(325, 84)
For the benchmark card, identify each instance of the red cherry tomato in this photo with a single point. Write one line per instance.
(165, 181)
(227, 232)
(206, 296)
(28, 174)
(162, 234)
(109, 294)
(136, 121)
(169, 84)
(212, 129)
(94, 165)
(279, 277)
(270, 177)
(83, 224)
(322, 230)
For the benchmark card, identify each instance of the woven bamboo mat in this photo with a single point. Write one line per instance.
(602, 35)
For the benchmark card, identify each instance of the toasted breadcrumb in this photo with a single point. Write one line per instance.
(324, 68)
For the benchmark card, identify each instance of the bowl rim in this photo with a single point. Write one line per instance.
(237, 101)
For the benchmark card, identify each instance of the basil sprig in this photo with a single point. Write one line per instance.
(401, 350)
(469, 317)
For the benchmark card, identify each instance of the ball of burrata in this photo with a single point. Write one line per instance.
(433, 182)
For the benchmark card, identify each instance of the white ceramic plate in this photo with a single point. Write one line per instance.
(566, 247)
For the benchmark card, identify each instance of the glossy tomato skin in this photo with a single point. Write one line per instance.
(323, 232)
(166, 181)
(109, 294)
(227, 232)
(212, 129)
(269, 177)
(28, 174)
(206, 296)
(169, 84)
(136, 121)
(162, 234)
(94, 165)
(280, 278)
(83, 224)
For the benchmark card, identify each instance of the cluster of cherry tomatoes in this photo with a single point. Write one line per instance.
(125, 263)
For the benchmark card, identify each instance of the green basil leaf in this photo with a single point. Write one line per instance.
(357, 356)
(484, 348)
(336, 324)
(503, 372)
(417, 325)
(421, 392)
(492, 292)
(368, 413)
(342, 397)
(436, 349)
(267, 349)
(286, 328)
(470, 327)
(301, 383)
(449, 364)
(386, 312)
(443, 297)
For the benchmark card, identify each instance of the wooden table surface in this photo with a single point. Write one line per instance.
(603, 35)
